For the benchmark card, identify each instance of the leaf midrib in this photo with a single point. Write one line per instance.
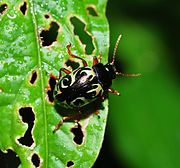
(41, 82)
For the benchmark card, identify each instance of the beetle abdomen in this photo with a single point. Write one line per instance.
(78, 88)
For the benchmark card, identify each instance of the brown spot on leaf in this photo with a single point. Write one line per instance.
(70, 163)
(80, 30)
(23, 8)
(3, 8)
(27, 117)
(78, 134)
(35, 160)
(33, 77)
(92, 10)
(49, 36)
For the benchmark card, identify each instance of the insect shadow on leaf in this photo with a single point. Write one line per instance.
(23, 8)
(35, 160)
(49, 36)
(80, 30)
(73, 115)
(9, 159)
(28, 117)
(3, 8)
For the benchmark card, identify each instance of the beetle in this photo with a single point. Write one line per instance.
(85, 84)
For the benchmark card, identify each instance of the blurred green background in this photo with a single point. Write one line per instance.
(143, 129)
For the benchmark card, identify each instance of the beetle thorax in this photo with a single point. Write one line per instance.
(105, 73)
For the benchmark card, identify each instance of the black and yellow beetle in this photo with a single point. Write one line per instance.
(85, 84)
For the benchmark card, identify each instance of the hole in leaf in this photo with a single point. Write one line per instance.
(92, 11)
(52, 83)
(78, 134)
(49, 36)
(23, 8)
(9, 159)
(79, 30)
(74, 65)
(27, 117)
(35, 160)
(70, 163)
(3, 8)
(33, 77)
(46, 16)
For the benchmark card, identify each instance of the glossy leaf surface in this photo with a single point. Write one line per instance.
(33, 40)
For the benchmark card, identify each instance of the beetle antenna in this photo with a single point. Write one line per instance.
(115, 48)
(122, 74)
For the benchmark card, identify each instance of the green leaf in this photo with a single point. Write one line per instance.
(27, 58)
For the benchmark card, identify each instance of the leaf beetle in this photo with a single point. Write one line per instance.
(85, 84)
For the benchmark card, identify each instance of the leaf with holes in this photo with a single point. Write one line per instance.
(33, 40)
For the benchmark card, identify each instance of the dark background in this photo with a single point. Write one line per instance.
(143, 124)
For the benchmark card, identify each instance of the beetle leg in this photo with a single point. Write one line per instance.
(96, 60)
(102, 98)
(66, 118)
(64, 70)
(98, 114)
(99, 57)
(54, 77)
(74, 56)
(114, 91)
(61, 122)
(58, 125)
